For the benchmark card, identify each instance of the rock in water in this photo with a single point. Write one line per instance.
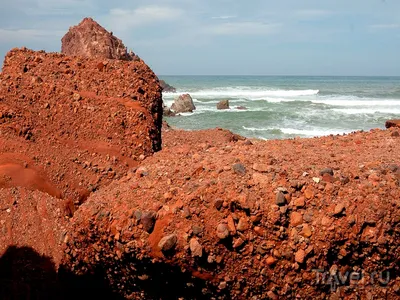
(166, 87)
(184, 103)
(392, 123)
(89, 39)
(224, 104)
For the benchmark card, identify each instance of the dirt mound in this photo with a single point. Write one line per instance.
(70, 125)
(89, 39)
(302, 218)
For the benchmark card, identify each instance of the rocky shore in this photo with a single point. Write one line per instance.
(98, 200)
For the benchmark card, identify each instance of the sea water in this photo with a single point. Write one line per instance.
(287, 106)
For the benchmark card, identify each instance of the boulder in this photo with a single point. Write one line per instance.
(392, 123)
(166, 87)
(224, 104)
(184, 103)
(89, 39)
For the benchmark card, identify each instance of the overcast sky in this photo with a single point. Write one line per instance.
(226, 37)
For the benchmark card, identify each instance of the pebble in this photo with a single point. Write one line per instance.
(300, 256)
(239, 169)
(326, 171)
(299, 202)
(296, 219)
(168, 242)
(260, 168)
(339, 209)
(218, 204)
(243, 224)
(222, 231)
(195, 248)
(280, 199)
(238, 243)
(148, 220)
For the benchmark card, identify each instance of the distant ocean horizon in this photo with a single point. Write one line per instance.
(287, 106)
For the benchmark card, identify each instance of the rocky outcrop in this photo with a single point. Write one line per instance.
(392, 123)
(89, 39)
(184, 103)
(166, 87)
(223, 104)
(69, 125)
(240, 220)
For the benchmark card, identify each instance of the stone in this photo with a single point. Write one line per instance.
(76, 97)
(197, 230)
(168, 242)
(231, 225)
(243, 224)
(280, 199)
(306, 231)
(218, 204)
(166, 87)
(392, 123)
(148, 220)
(223, 104)
(339, 209)
(395, 134)
(239, 169)
(183, 104)
(222, 231)
(195, 248)
(237, 243)
(300, 255)
(326, 171)
(89, 39)
(296, 219)
(260, 168)
(299, 202)
(270, 260)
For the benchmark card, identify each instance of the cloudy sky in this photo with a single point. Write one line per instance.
(226, 37)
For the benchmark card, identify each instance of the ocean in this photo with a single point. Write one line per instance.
(287, 106)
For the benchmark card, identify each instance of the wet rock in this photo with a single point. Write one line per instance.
(222, 231)
(223, 104)
(195, 248)
(168, 242)
(182, 104)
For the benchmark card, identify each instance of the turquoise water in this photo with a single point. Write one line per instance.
(286, 107)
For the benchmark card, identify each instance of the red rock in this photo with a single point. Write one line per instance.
(392, 123)
(89, 39)
(300, 256)
(296, 219)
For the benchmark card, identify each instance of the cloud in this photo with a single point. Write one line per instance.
(24, 35)
(143, 15)
(384, 26)
(223, 17)
(312, 13)
(243, 28)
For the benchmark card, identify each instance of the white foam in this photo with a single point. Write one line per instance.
(372, 110)
(355, 101)
(301, 132)
(244, 92)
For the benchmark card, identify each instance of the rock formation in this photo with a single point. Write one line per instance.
(184, 103)
(89, 39)
(166, 87)
(223, 104)
(392, 123)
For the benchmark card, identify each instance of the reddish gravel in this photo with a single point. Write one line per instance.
(249, 220)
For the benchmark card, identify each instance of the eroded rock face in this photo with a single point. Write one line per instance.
(184, 103)
(89, 39)
(69, 125)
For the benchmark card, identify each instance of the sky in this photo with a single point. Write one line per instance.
(225, 37)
